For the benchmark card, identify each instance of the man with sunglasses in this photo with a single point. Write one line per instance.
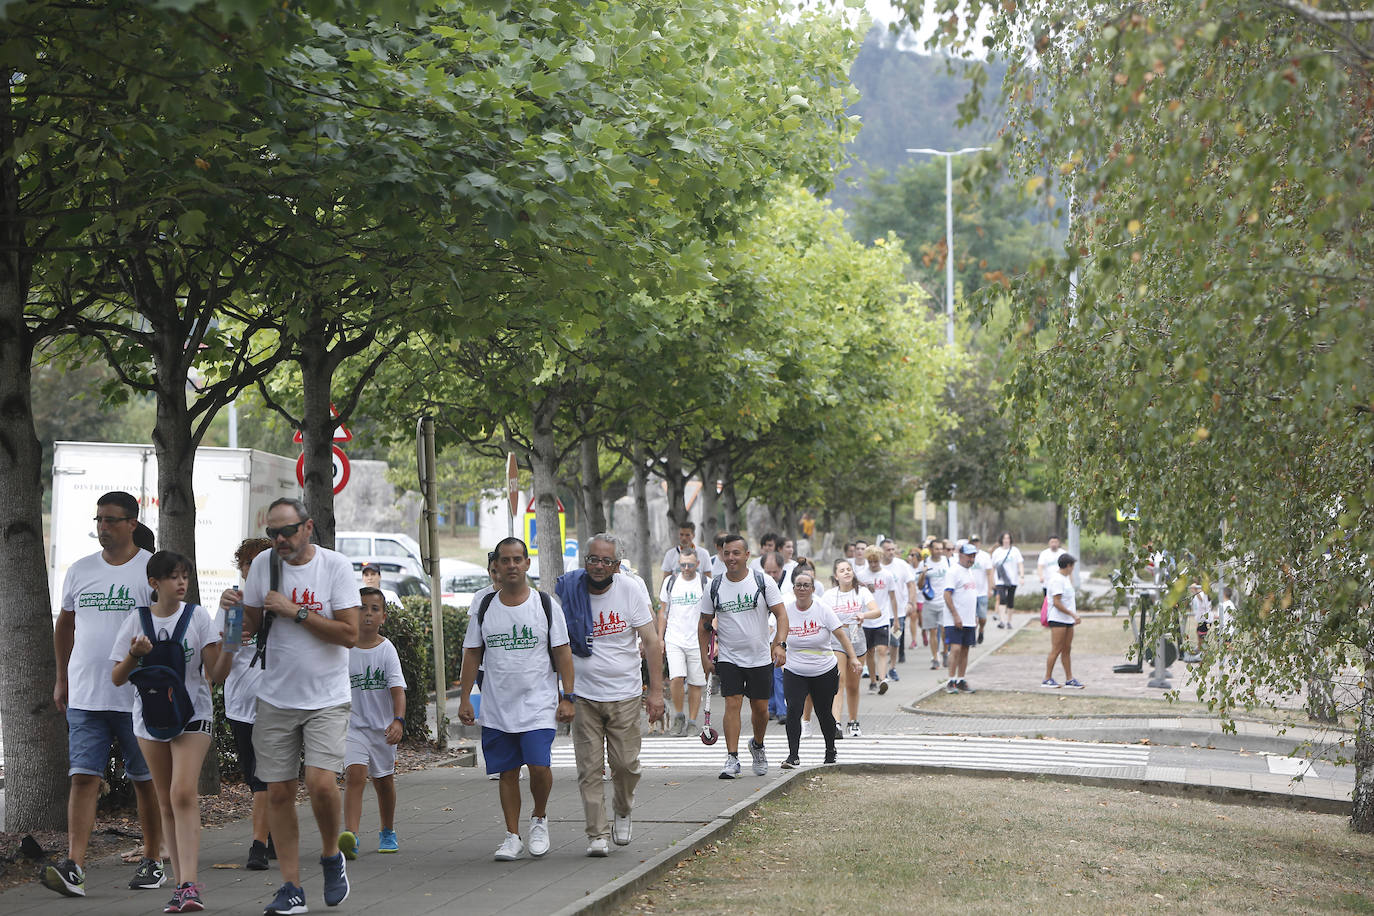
(98, 594)
(305, 696)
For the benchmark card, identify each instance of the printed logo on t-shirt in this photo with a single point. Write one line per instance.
(117, 599)
(739, 604)
(810, 628)
(608, 626)
(519, 637)
(307, 601)
(370, 679)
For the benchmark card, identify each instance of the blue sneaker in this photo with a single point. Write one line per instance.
(290, 901)
(335, 880)
(1050, 683)
(386, 841)
(1072, 684)
(892, 675)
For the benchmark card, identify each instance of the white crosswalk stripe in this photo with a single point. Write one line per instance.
(923, 750)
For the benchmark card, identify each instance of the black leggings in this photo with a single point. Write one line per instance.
(822, 689)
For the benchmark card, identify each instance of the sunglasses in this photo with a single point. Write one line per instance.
(111, 519)
(285, 531)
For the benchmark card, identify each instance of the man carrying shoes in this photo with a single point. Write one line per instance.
(739, 603)
(606, 728)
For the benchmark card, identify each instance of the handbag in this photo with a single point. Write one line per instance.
(1045, 612)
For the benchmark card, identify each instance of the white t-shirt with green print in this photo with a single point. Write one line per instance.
(519, 688)
(202, 631)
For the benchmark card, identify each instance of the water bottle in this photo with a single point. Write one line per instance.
(233, 626)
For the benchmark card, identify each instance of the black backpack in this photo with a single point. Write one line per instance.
(160, 678)
(548, 617)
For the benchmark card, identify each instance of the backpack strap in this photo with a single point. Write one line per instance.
(715, 594)
(482, 609)
(179, 631)
(145, 617)
(547, 602)
(762, 586)
(273, 584)
(672, 580)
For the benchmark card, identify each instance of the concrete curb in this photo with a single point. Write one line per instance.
(608, 896)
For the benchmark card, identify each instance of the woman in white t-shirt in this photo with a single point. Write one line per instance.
(1009, 568)
(811, 668)
(1062, 618)
(175, 762)
(853, 604)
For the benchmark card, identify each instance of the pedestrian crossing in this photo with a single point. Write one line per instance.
(1019, 755)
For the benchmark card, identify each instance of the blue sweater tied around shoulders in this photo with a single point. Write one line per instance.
(571, 589)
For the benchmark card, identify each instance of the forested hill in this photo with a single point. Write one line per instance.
(908, 99)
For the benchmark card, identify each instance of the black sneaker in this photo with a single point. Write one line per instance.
(829, 756)
(66, 877)
(791, 763)
(149, 875)
(257, 856)
(335, 879)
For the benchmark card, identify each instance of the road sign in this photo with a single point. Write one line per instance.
(531, 532)
(342, 471)
(341, 434)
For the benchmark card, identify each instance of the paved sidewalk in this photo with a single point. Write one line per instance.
(449, 820)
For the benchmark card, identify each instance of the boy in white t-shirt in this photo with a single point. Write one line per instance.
(376, 725)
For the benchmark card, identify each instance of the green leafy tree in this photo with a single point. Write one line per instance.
(1212, 366)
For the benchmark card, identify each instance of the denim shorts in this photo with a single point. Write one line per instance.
(90, 732)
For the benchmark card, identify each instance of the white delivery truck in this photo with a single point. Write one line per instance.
(233, 488)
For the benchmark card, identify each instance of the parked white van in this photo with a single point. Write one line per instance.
(392, 545)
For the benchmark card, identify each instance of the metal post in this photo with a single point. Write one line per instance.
(429, 486)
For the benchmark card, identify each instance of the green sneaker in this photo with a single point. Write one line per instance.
(348, 845)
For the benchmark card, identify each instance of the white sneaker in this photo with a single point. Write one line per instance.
(599, 848)
(539, 836)
(731, 768)
(622, 830)
(854, 729)
(806, 728)
(510, 848)
(760, 759)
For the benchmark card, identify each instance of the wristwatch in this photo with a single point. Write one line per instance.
(302, 614)
(570, 697)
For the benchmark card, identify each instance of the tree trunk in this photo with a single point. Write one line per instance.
(176, 460)
(729, 497)
(317, 430)
(1058, 529)
(544, 464)
(892, 519)
(677, 486)
(1362, 813)
(35, 732)
(710, 507)
(642, 558)
(593, 510)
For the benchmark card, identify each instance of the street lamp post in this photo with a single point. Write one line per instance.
(949, 273)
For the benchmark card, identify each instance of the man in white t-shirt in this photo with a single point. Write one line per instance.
(609, 689)
(1048, 563)
(306, 626)
(98, 595)
(961, 616)
(982, 580)
(521, 645)
(932, 573)
(904, 577)
(677, 630)
(686, 543)
(885, 588)
(739, 604)
(767, 544)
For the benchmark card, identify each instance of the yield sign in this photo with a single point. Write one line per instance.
(341, 433)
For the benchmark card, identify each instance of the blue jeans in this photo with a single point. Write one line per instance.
(777, 704)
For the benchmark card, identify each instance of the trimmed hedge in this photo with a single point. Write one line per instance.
(410, 630)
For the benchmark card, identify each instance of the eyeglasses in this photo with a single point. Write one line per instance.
(796, 585)
(601, 561)
(111, 519)
(285, 531)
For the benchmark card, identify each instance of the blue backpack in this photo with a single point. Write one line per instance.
(160, 678)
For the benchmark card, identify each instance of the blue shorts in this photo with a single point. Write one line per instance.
(961, 636)
(510, 750)
(90, 732)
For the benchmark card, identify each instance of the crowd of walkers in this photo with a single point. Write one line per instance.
(312, 689)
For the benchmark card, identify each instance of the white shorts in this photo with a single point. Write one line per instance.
(685, 661)
(368, 747)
